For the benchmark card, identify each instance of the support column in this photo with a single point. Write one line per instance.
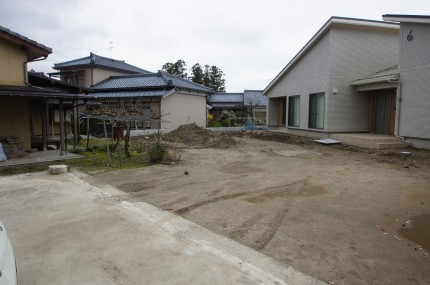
(44, 125)
(62, 129)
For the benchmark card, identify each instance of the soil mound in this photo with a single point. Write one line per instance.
(193, 135)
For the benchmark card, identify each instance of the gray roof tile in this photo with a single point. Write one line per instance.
(144, 81)
(130, 94)
(385, 75)
(100, 61)
(254, 97)
(226, 98)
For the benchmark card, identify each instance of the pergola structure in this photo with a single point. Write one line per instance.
(40, 99)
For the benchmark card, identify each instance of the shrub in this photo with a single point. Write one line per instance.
(156, 153)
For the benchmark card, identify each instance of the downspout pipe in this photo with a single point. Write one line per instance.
(24, 68)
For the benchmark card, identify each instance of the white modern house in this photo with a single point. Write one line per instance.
(353, 77)
(413, 84)
(313, 94)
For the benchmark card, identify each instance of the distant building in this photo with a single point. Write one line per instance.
(90, 70)
(248, 105)
(177, 100)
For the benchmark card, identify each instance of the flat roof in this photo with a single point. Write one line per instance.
(424, 19)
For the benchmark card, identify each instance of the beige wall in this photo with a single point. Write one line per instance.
(93, 76)
(102, 74)
(12, 59)
(183, 109)
(14, 119)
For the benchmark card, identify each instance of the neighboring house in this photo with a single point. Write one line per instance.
(413, 79)
(255, 104)
(178, 101)
(250, 104)
(315, 94)
(23, 108)
(90, 70)
(223, 102)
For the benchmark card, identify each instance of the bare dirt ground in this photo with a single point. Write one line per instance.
(341, 214)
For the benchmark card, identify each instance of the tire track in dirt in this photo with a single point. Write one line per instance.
(206, 202)
(174, 202)
(273, 228)
(245, 227)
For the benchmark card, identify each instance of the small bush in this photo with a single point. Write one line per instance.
(216, 124)
(156, 153)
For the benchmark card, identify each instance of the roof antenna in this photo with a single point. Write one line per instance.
(110, 49)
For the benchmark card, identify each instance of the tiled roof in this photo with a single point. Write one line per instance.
(132, 81)
(130, 94)
(16, 35)
(385, 75)
(254, 97)
(100, 61)
(144, 81)
(226, 98)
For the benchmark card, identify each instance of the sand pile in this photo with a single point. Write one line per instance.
(193, 135)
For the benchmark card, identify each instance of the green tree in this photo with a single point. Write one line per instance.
(209, 76)
(197, 74)
(178, 68)
(216, 80)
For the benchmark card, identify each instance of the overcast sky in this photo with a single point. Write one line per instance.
(251, 41)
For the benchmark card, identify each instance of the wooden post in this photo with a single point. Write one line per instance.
(106, 140)
(44, 125)
(75, 125)
(62, 129)
(88, 132)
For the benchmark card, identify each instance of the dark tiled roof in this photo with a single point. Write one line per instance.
(132, 81)
(145, 81)
(130, 94)
(254, 97)
(226, 98)
(100, 61)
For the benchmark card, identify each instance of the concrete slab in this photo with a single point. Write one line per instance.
(58, 169)
(39, 157)
(66, 231)
(368, 140)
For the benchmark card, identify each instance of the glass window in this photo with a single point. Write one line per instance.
(294, 111)
(316, 111)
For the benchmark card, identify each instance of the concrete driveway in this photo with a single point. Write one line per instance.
(66, 231)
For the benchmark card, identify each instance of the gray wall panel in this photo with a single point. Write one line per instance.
(310, 75)
(415, 53)
(415, 103)
(415, 77)
(356, 54)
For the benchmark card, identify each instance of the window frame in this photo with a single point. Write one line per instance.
(294, 111)
(316, 111)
